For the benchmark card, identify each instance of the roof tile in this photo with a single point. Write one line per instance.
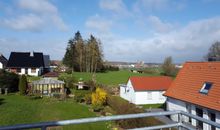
(190, 80)
(141, 83)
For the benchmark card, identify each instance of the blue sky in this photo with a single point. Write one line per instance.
(130, 30)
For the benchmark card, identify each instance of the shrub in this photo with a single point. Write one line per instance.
(56, 95)
(91, 84)
(79, 97)
(99, 98)
(9, 80)
(117, 103)
(22, 85)
(68, 79)
(88, 98)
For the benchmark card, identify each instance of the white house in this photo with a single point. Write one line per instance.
(30, 63)
(3, 61)
(196, 90)
(145, 90)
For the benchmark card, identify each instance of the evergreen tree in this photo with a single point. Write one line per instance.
(79, 48)
(83, 56)
(22, 85)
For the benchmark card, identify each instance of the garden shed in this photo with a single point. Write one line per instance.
(47, 86)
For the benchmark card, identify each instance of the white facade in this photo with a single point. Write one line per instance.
(173, 104)
(141, 97)
(31, 71)
(1, 65)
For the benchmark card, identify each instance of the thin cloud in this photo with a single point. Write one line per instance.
(99, 24)
(33, 15)
(188, 43)
(29, 22)
(40, 6)
(115, 6)
(158, 25)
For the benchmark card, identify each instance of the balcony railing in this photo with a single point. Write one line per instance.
(180, 124)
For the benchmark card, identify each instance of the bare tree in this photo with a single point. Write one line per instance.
(214, 52)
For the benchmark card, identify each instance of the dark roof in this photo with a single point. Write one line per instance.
(25, 59)
(3, 60)
(46, 61)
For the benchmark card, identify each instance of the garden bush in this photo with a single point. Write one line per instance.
(88, 98)
(91, 84)
(99, 99)
(79, 95)
(117, 103)
(9, 80)
(68, 79)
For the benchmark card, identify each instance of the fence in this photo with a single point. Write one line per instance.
(179, 124)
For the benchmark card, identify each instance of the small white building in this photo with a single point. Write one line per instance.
(196, 90)
(145, 90)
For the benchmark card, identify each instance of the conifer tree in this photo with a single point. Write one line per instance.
(22, 85)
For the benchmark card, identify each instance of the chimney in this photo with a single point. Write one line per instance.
(32, 54)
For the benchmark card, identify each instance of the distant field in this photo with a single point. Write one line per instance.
(16, 109)
(112, 77)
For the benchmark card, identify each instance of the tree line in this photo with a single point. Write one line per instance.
(84, 55)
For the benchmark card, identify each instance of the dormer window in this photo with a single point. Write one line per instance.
(205, 88)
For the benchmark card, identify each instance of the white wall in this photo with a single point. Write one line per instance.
(1, 65)
(34, 74)
(218, 119)
(141, 97)
(173, 104)
(37, 73)
(149, 97)
(128, 92)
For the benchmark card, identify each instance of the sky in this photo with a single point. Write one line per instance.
(130, 30)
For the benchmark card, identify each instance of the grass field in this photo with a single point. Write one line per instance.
(151, 106)
(16, 109)
(111, 77)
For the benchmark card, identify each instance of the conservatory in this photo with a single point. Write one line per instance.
(47, 86)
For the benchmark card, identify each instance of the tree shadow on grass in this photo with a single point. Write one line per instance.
(2, 101)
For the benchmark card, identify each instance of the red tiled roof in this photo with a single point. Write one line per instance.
(190, 80)
(141, 83)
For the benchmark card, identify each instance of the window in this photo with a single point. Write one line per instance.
(18, 70)
(33, 70)
(206, 87)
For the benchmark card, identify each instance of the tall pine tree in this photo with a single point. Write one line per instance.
(83, 56)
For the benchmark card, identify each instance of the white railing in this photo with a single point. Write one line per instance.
(179, 124)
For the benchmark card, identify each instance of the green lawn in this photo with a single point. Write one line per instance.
(111, 77)
(16, 109)
(148, 106)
